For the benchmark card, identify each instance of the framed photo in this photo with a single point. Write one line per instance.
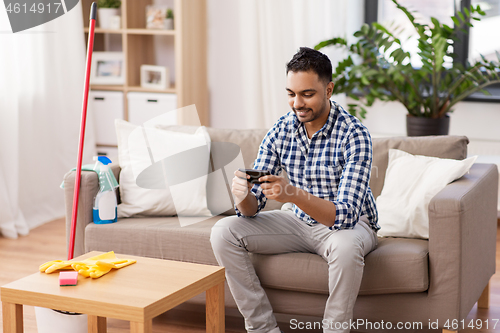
(107, 68)
(154, 77)
(155, 16)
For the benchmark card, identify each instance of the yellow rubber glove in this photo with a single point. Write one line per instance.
(119, 263)
(93, 267)
(93, 271)
(55, 265)
(97, 266)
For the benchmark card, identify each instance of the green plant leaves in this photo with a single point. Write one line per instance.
(383, 71)
(334, 41)
(109, 3)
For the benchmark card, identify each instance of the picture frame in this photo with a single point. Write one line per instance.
(155, 16)
(155, 77)
(107, 68)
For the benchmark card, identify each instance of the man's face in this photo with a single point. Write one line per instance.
(308, 96)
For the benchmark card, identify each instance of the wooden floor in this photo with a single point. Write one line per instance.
(22, 257)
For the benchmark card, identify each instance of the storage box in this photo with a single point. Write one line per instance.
(106, 107)
(159, 108)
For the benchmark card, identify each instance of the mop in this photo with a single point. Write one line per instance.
(90, 47)
(101, 264)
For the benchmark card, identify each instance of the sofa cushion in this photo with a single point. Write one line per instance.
(142, 183)
(443, 146)
(411, 181)
(248, 141)
(397, 265)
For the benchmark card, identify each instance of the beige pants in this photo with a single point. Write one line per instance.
(274, 232)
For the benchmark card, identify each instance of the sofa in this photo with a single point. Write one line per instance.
(405, 280)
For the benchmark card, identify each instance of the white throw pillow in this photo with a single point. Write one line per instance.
(139, 149)
(411, 182)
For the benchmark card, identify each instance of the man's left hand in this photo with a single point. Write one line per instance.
(277, 188)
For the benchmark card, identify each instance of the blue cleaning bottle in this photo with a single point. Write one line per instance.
(105, 203)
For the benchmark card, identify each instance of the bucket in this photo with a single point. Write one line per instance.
(54, 321)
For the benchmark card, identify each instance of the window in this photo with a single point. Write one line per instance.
(481, 39)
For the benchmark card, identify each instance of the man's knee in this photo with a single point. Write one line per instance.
(345, 249)
(221, 235)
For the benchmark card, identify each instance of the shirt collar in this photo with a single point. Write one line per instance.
(327, 128)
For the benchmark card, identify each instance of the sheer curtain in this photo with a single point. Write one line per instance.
(271, 32)
(41, 84)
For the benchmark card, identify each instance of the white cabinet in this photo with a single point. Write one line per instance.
(146, 107)
(106, 106)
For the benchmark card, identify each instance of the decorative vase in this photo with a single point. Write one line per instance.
(105, 15)
(416, 126)
(50, 321)
(168, 24)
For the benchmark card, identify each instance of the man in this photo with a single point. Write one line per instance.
(327, 154)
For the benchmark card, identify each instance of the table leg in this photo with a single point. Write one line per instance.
(12, 317)
(145, 327)
(215, 309)
(96, 324)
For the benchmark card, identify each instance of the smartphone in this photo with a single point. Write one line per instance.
(255, 175)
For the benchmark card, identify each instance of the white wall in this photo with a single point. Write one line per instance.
(226, 50)
(224, 64)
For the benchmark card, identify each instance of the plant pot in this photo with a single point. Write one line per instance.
(52, 321)
(416, 126)
(105, 15)
(168, 24)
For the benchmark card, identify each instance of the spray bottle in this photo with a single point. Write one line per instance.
(105, 204)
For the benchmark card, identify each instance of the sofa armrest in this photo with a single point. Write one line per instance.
(462, 242)
(89, 185)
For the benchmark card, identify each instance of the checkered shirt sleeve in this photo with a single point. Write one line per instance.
(267, 159)
(353, 185)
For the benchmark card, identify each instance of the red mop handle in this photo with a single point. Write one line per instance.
(76, 194)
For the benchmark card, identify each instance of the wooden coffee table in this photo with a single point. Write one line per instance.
(136, 293)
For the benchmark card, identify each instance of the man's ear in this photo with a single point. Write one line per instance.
(329, 89)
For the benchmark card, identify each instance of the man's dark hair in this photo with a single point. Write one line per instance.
(307, 59)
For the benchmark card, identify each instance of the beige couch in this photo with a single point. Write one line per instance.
(405, 280)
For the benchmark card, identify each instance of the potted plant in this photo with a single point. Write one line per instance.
(106, 10)
(169, 19)
(378, 68)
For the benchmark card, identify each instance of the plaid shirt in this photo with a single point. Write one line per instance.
(335, 165)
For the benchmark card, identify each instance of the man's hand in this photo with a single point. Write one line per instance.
(277, 188)
(319, 209)
(240, 187)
